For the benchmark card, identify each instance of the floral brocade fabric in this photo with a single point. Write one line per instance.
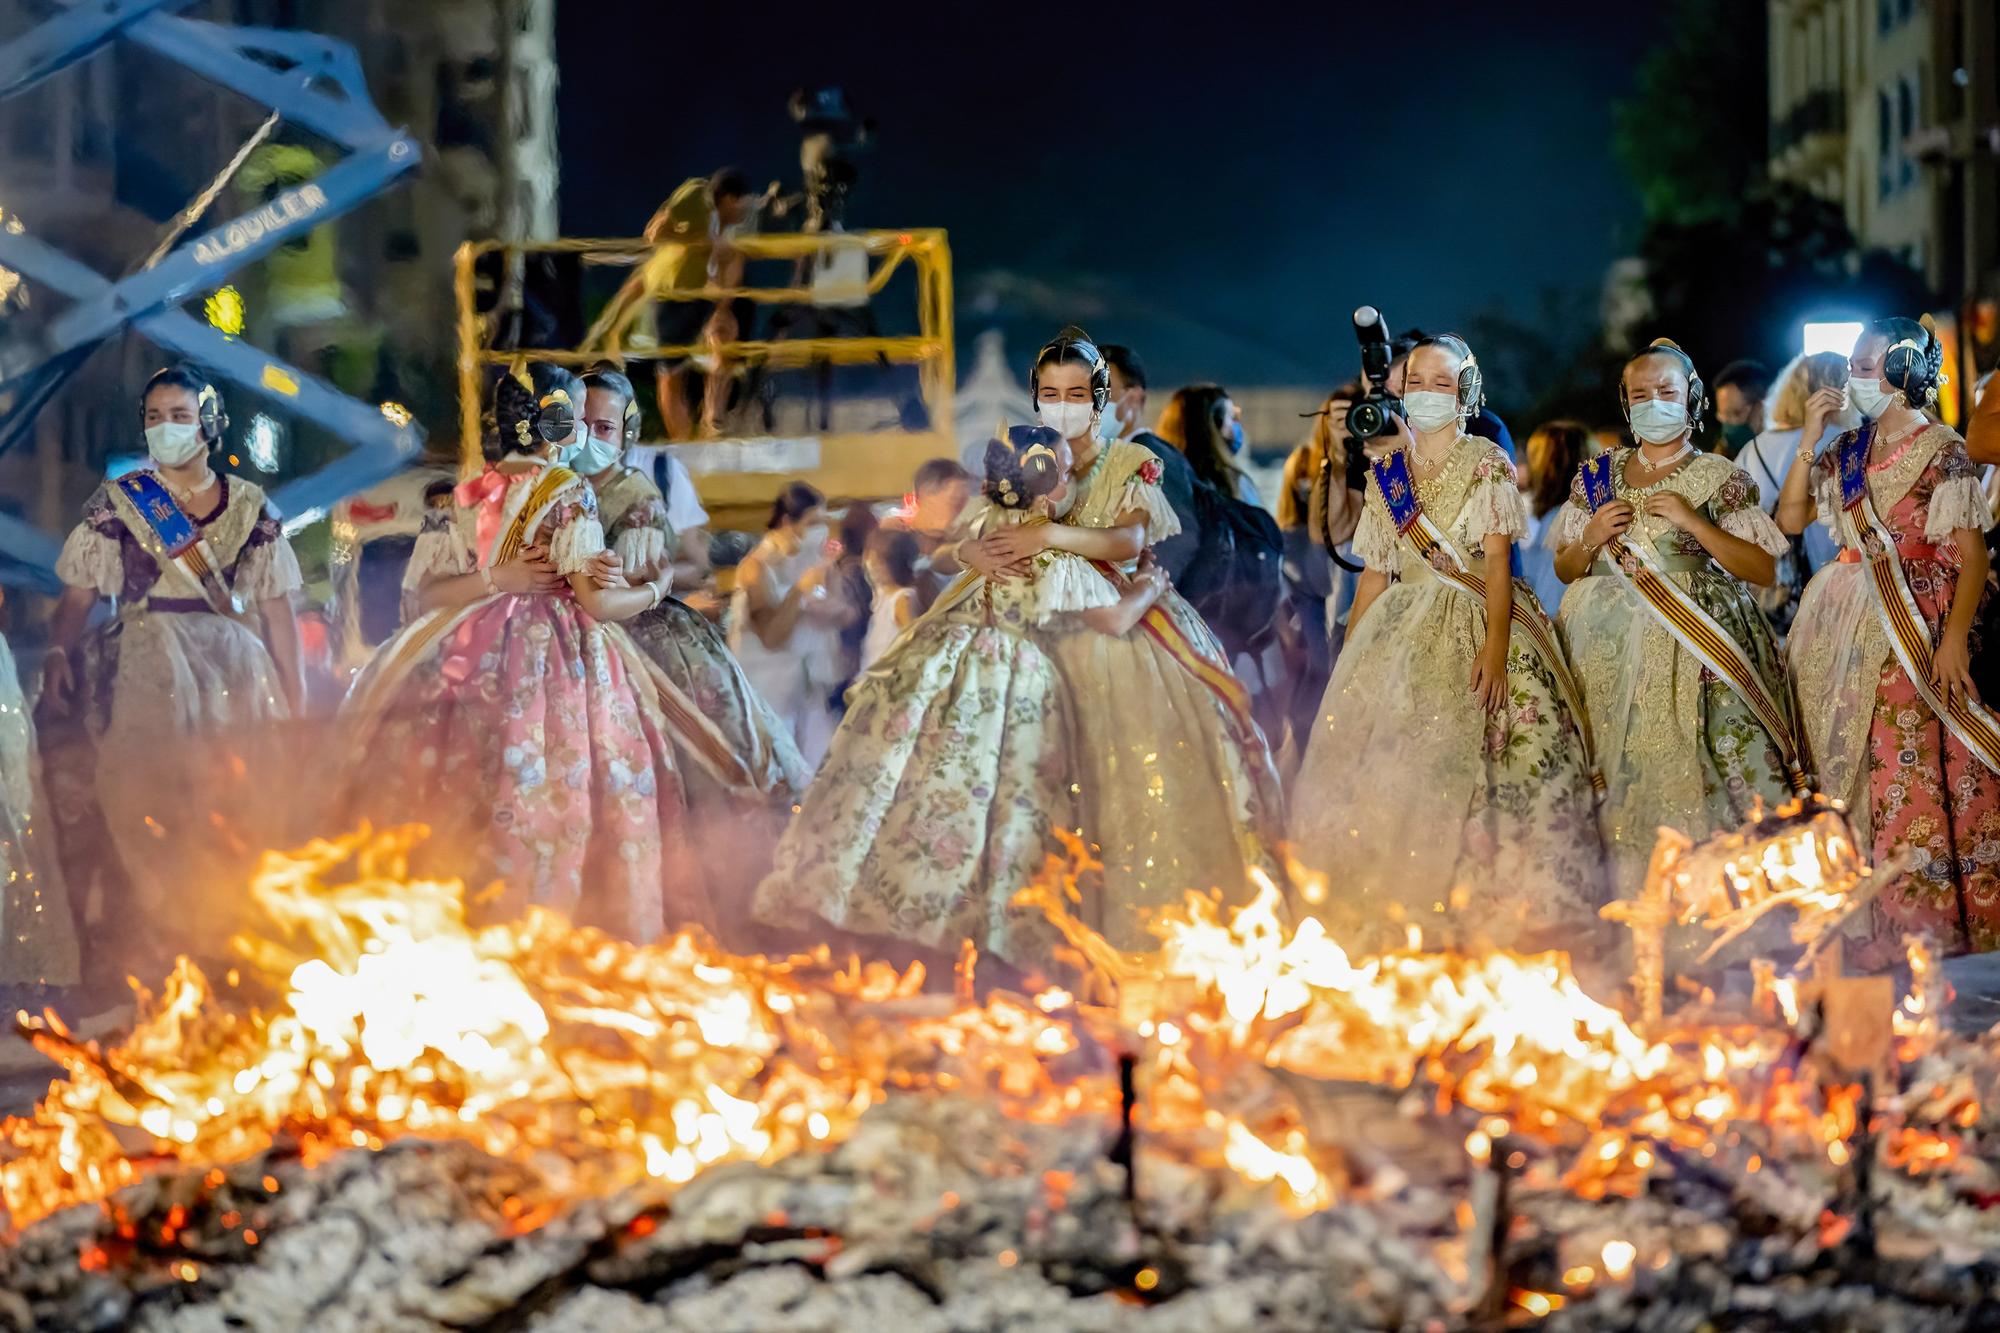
(1418, 806)
(1923, 788)
(1677, 746)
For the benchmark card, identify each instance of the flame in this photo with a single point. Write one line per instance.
(367, 1008)
(398, 1018)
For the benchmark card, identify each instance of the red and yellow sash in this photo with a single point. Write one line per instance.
(1698, 632)
(1973, 723)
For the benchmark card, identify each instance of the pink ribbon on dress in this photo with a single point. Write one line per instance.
(486, 493)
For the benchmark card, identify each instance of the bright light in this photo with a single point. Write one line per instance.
(1832, 336)
(262, 442)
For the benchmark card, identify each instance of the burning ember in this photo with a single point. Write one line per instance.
(1252, 1128)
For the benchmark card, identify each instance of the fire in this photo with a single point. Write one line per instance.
(367, 1008)
(398, 1018)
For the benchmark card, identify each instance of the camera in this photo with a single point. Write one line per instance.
(1368, 419)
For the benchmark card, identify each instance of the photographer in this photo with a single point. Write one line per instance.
(1317, 513)
(1448, 777)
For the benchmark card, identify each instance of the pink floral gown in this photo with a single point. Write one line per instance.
(529, 736)
(1924, 788)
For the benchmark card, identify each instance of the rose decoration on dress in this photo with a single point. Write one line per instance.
(1149, 472)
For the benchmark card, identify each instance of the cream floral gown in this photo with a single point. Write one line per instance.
(1678, 747)
(1176, 779)
(1418, 805)
(951, 771)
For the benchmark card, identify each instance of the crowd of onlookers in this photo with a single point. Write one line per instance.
(1236, 545)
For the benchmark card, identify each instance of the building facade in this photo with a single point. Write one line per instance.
(1891, 109)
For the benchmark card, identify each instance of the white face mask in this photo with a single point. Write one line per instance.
(1868, 396)
(1430, 410)
(1070, 420)
(172, 443)
(596, 455)
(1659, 420)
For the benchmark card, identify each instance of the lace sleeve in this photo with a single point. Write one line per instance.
(1066, 584)
(1957, 503)
(1140, 494)
(1495, 505)
(270, 567)
(1574, 516)
(1758, 528)
(90, 559)
(439, 552)
(578, 535)
(1375, 535)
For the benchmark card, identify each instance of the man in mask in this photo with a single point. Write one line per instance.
(1123, 419)
(1739, 405)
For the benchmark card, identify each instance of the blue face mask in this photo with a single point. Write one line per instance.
(1235, 437)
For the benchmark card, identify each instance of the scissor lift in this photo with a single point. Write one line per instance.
(305, 79)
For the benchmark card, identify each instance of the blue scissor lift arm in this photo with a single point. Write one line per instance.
(310, 81)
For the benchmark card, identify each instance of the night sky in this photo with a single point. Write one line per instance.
(1218, 185)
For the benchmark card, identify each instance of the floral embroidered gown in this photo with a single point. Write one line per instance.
(1677, 746)
(1177, 784)
(530, 737)
(685, 645)
(178, 722)
(951, 771)
(1878, 744)
(1411, 792)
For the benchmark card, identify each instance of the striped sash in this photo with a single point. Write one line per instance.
(1697, 631)
(1392, 475)
(171, 537)
(1973, 723)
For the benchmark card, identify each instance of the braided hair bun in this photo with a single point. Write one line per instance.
(1023, 466)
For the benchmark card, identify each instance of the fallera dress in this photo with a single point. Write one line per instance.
(531, 736)
(179, 719)
(951, 771)
(1910, 781)
(1177, 783)
(1677, 745)
(1418, 805)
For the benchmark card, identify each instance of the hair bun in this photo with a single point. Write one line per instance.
(1022, 466)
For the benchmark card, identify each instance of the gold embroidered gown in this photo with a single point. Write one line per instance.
(1677, 746)
(1178, 788)
(1411, 792)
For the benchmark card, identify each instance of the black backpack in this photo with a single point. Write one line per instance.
(1236, 579)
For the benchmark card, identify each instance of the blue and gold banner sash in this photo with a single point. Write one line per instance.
(171, 537)
(1392, 475)
(1972, 722)
(1695, 630)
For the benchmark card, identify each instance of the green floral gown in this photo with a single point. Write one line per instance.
(1677, 746)
(1418, 806)
(690, 649)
